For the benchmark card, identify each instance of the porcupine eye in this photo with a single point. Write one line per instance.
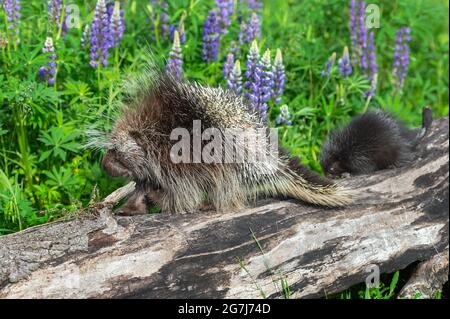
(139, 139)
(335, 169)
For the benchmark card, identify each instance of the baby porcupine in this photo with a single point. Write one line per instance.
(140, 148)
(372, 141)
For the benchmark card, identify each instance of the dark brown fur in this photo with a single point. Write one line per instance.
(375, 140)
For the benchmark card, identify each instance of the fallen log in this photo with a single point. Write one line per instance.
(428, 278)
(401, 217)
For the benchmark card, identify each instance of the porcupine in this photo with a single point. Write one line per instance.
(139, 148)
(372, 141)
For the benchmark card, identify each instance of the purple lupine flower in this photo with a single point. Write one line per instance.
(260, 82)
(362, 36)
(86, 35)
(101, 40)
(279, 77)
(267, 82)
(254, 5)
(54, 12)
(42, 72)
(284, 116)
(66, 23)
(354, 32)
(252, 70)
(117, 25)
(234, 48)
(12, 10)
(243, 32)
(373, 69)
(228, 65)
(328, 67)
(211, 37)
(159, 20)
(344, 65)
(234, 82)
(181, 32)
(254, 27)
(175, 61)
(401, 57)
(48, 73)
(225, 8)
(250, 31)
(164, 19)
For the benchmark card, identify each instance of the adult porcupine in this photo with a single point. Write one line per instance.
(372, 141)
(140, 148)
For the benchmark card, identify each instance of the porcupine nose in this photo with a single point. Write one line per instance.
(112, 166)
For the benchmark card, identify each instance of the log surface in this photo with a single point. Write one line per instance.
(401, 217)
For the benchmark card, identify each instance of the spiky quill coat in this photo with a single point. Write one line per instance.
(139, 147)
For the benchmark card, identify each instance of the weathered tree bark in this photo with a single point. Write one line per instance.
(428, 278)
(401, 217)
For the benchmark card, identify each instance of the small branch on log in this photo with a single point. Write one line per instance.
(428, 278)
(402, 217)
(120, 194)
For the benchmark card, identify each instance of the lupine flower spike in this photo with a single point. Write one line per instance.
(354, 36)
(225, 11)
(228, 65)
(250, 31)
(373, 69)
(181, 31)
(401, 57)
(254, 5)
(211, 37)
(234, 48)
(252, 71)
(160, 20)
(329, 66)
(117, 27)
(86, 36)
(164, 19)
(54, 12)
(12, 10)
(362, 36)
(48, 72)
(100, 36)
(267, 84)
(260, 81)
(234, 82)
(279, 77)
(284, 116)
(344, 65)
(175, 61)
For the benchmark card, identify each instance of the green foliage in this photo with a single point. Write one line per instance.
(45, 171)
(59, 142)
(380, 292)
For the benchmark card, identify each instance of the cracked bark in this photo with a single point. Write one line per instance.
(428, 278)
(400, 218)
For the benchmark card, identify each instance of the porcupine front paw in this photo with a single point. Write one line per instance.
(136, 205)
